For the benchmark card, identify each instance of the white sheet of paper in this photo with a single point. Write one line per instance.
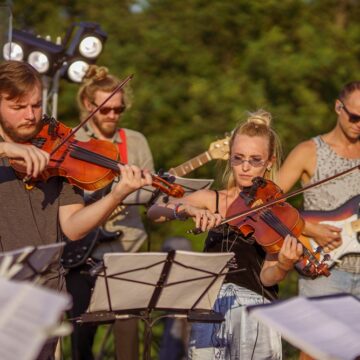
(39, 258)
(327, 328)
(27, 313)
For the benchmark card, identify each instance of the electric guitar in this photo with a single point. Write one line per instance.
(345, 217)
(77, 252)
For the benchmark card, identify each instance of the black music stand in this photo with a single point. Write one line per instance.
(29, 262)
(181, 283)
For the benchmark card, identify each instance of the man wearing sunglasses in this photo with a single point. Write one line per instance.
(133, 148)
(317, 159)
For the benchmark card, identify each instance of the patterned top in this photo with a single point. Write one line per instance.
(336, 192)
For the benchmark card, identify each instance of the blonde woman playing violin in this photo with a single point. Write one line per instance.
(254, 152)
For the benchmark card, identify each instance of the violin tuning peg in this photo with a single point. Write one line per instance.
(319, 250)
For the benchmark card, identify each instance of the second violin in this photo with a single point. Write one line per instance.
(271, 225)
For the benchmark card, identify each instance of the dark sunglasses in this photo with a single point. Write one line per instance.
(106, 109)
(353, 118)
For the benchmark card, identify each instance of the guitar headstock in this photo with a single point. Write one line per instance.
(220, 149)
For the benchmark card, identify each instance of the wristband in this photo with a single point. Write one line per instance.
(178, 216)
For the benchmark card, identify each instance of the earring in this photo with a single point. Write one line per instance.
(268, 168)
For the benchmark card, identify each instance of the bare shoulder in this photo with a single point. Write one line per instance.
(303, 156)
(304, 149)
(299, 164)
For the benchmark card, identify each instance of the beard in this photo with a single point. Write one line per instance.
(23, 133)
(107, 128)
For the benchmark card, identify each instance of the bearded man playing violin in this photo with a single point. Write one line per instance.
(254, 152)
(35, 217)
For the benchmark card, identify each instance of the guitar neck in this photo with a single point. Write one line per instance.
(191, 164)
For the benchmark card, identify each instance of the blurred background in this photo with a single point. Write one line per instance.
(201, 65)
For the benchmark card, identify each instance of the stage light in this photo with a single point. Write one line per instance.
(90, 47)
(84, 43)
(13, 51)
(39, 61)
(45, 56)
(76, 70)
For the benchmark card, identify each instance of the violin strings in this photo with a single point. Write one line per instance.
(90, 156)
(274, 221)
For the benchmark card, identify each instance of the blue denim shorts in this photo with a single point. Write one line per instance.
(339, 281)
(238, 337)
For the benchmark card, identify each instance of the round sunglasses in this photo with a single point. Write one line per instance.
(106, 109)
(255, 162)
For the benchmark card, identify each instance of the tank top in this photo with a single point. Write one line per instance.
(334, 193)
(249, 257)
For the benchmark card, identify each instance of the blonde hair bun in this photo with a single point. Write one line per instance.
(260, 117)
(95, 73)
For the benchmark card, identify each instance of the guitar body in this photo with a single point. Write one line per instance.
(77, 252)
(345, 217)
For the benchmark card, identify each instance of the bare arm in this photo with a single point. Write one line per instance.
(199, 206)
(276, 266)
(300, 164)
(76, 220)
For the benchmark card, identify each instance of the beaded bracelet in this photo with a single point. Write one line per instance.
(178, 216)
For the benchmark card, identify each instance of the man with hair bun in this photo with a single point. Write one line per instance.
(97, 85)
(254, 152)
(317, 159)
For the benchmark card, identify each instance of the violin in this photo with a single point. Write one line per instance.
(272, 224)
(89, 165)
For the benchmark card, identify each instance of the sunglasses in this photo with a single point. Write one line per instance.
(236, 161)
(107, 109)
(353, 118)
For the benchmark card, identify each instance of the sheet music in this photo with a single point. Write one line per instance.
(27, 313)
(132, 280)
(34, 260)
(327, 328)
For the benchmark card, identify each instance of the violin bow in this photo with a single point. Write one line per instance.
(279, 199)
